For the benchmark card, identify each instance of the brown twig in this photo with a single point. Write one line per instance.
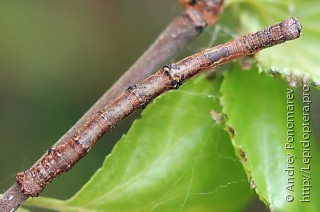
(12, 198)
(183, 29)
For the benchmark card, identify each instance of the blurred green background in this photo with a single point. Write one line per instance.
(56, 59)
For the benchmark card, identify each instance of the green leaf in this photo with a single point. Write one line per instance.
(174, 158)
(298, 59)
(256, 107)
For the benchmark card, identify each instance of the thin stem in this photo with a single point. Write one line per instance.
(49, 203)
(12, 198)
